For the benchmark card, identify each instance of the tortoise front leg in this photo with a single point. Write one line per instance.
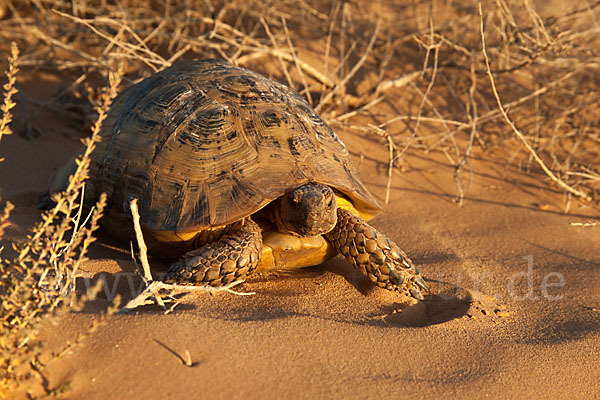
(375, 255)
(231, 258)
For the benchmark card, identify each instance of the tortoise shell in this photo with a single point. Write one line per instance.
(206, 143)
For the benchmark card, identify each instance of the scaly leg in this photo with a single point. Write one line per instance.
(375, 255)
(231, 258)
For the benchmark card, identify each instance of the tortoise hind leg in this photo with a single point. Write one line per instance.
(375, 255)
(231, 258)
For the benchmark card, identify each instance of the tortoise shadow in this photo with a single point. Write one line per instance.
(434, 310)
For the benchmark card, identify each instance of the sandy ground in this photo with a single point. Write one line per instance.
(514, 310)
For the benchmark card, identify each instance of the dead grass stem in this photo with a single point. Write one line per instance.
(9, 91)
(39, 282)
(541, 163)
(157, 292)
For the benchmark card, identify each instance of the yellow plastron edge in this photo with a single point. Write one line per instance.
(346, 205)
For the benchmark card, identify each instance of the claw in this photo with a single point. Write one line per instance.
(421, 283)
(417, 284)
(416, 293)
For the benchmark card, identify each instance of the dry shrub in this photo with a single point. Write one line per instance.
(39, 282)
(9, 91)
(419, 61)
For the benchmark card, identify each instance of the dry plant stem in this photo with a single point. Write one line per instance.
(260, 51)
(8, 104)
(187, 361)
(489, 116)
(538, 21)
(364, 108)
(425, 119)
(140, 241)
(4, 217)
(153, 287)
(550, 174)
(332, 21)
(145, 298)
(31, 293)
(129, 48)
(397, 82)
(147, 277)
(472, 115)
(298, 68)
(583, 224)
(343, 53)
(77, 218)
(274, 43)
(9, 90)
(153, 60)
(250, 35)
(81, 54)
(388, 185)
(391, 149)
(85, 241)
(435, 47)
(354, 70)
(137, 266)
(82, 167)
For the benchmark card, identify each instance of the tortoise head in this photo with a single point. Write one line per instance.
(309, 210)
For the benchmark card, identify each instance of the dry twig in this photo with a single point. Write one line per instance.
(537, 158)
(147, 276)
(9, 90)
(152, 292)
(354, 69)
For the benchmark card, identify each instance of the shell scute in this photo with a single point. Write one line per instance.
(205, 143)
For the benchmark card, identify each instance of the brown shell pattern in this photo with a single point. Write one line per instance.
(205, 143)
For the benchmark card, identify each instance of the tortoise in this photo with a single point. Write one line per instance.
(234, 173)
